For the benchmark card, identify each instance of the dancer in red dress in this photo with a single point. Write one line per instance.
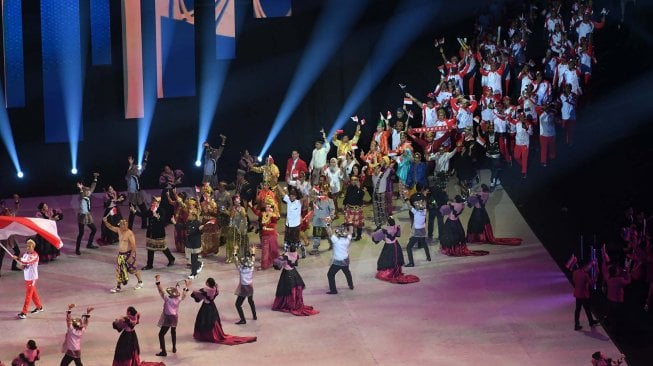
(208, 327)
(389, 264)
(289, 296)
(479, 228)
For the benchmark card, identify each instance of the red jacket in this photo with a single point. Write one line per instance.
(293, 174)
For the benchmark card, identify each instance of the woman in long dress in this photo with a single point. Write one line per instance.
(47, 252)
(289, 296)
(479, 228)
(127, 349)
(208, 327)
(452, 240)
(391, 259)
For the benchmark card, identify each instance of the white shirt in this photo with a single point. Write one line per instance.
(465, 118)
(547, 125)
(542, 91)
(246, 275)
(319, 159)
(442, 161)
(429, 116)
(583, 29)
(383, 183)
(395, 139)
(334, 177)
(340, 247)
(419, 218)
(494, 81)
(293, 212)
(568, 109)
(500, 125)
(523, 135)
(304, 188)
(30, 263)
(571, 77)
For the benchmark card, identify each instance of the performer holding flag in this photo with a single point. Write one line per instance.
(30, 263)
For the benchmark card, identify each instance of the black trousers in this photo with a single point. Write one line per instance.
(585, 303)
(434, 213)
(150, 257)
(239, 306)
(66, 360)
(331, 276)
(130, 221)
(411, 243)
(80, 233)
(173, 334)
(194, 263)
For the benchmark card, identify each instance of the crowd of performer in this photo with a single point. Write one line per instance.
(470, 121)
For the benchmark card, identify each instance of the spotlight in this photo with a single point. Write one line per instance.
(332, 27)
(259, 158)
(198, 163)
(73, 171)
(395, 35)
(20, 174)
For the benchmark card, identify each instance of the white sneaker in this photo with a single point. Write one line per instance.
(138, 286)
(115, 289)
(201, 267)
(191, 277)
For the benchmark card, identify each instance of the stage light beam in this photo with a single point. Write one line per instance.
(411, 18)
(198, 163)
(8, 135)
(20, 174)
(73, 171)
(330, 30)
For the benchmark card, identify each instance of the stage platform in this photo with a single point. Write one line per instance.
(511, 307)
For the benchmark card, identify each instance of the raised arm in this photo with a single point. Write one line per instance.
(157, 278)
(417, 101)
(108, 225)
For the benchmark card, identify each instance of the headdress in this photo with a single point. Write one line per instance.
(172, 291)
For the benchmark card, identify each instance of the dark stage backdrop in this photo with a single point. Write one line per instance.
(267, 54)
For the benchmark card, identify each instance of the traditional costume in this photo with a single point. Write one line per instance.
(155, 237)
(479, 228)
(208, 327)
(391, 259)
(289, 295)
(127, 349)
(452, 238)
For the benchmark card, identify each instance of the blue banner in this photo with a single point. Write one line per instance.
(100, 32)
(14, 64)
(62, 70)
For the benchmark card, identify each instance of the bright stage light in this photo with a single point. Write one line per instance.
(213, 73)
(73, 171)
(198, 163)
(330, 30)
(7, 135)
(259, 158)
(20, 174)
(407, 23)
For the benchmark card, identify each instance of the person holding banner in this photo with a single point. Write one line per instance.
(30, 263)
(126, 261)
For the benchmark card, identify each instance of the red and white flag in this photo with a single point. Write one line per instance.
(30, 226)
(389, 115)
(363, 121)
(408, 101)
(355, 119)
(411, 114)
